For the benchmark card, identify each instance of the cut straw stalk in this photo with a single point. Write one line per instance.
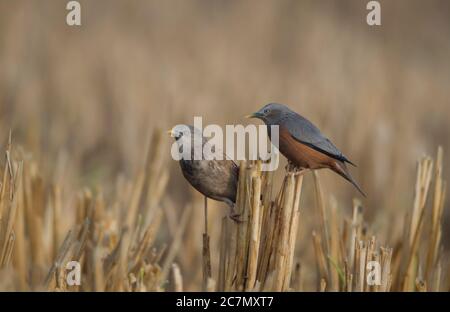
(233, 240)
(436, 216)
(8, 209)
(282, 246)
(293, 231)
(323, 221)
(255, 230)
(243, 228)
(321, 260)
(206, 254)
(223, 254)
(177, 278)
(424, 171)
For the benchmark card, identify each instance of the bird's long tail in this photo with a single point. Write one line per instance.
(341, 169)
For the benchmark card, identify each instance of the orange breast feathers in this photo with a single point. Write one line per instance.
(302, 155)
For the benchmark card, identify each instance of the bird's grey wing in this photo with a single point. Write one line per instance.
(225, 168)
(307, 133)
(215, 149)
(224, 174)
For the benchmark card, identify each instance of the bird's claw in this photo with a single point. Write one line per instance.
(295, 170)
(236, 217)
(233, 215)
(299, 171)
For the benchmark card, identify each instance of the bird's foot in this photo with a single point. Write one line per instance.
(295, 170)
(290, 167)
(236, 217)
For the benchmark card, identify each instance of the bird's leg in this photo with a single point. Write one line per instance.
(206, 215)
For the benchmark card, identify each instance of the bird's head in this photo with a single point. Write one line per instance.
(179, 131)
(270, 113)
(187, 140)
(184, 132)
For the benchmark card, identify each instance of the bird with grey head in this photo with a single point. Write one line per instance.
(214, 178)
(302, 143)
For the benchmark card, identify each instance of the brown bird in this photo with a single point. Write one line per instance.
(215, 179)
(302, 143)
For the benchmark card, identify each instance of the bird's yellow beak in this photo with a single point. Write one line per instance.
(170, 132)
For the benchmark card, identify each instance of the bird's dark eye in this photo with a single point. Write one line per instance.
(266, 111)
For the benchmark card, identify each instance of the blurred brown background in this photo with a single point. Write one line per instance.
(87, 98)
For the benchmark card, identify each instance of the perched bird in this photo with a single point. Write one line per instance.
(302, 143)
(215, 179)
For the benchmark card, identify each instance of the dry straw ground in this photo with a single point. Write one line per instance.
(117, 248)
(88, 175)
